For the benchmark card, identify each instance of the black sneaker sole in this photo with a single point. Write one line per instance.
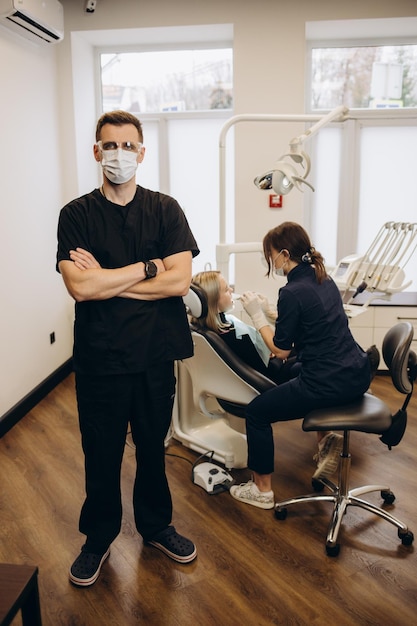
(172, 555)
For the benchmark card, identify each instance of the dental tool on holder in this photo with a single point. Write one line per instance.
(380, 271)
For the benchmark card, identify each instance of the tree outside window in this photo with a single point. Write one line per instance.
(168, 80)
(364, 77)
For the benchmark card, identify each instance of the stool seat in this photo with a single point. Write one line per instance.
(368, 415)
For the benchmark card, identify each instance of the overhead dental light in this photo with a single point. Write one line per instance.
(286, 174)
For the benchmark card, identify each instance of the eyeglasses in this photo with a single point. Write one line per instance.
(129, 146)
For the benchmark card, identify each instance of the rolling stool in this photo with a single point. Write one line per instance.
(369, 414)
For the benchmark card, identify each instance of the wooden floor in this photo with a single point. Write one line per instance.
(251, 569)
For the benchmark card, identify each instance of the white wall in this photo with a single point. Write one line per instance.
(48, 112)
(33, 301)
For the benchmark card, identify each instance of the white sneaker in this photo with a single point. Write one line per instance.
(250, 494)
(328, 456)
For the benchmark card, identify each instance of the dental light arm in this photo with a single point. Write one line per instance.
(285, 175)
(224, 250)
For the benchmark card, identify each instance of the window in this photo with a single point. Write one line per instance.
(167, 80)
(363, 77)
(362, 169)
(363, 172)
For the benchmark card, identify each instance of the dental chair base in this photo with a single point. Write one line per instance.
(217, 431)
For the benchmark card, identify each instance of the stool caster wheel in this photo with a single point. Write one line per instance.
(281, 513)
(332, 550)
(407, 538)
(388, 497)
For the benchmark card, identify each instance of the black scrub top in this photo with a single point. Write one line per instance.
(312, 321)
(122, 335)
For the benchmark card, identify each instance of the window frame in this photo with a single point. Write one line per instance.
(350, 166)
(346, 43)
(156, 47)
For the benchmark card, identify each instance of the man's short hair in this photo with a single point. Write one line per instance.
(118, 118)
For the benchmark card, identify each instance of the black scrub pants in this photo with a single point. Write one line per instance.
(106, 406)
(286, 402)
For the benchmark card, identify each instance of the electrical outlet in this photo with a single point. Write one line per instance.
(52, 337)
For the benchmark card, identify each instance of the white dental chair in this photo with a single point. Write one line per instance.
(213, 388)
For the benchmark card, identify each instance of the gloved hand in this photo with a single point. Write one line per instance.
(269, 311)
(253, 307)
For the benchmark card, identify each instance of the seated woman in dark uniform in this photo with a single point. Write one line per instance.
(334, 369)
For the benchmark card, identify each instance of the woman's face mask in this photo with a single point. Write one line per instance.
(278, 271)
(119, 165)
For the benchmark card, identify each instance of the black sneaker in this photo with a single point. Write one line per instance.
(86, 568)
(175, 546)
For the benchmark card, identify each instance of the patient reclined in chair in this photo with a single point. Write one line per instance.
(214, 387)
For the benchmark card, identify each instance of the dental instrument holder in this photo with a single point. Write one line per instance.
(380, 271)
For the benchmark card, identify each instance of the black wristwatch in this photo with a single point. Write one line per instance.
(150, 269)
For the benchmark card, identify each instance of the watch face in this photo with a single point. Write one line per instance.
(150, 269)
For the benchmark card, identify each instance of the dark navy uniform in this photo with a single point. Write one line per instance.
(333, 368)
(124, 353)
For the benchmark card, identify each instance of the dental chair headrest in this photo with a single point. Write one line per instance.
(196, 302)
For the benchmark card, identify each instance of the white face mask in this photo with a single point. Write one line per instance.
(119, 165)
(278, 271)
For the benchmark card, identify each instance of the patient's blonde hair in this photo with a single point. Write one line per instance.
(209, 282)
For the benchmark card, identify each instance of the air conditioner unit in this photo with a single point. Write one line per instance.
(38, 20)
